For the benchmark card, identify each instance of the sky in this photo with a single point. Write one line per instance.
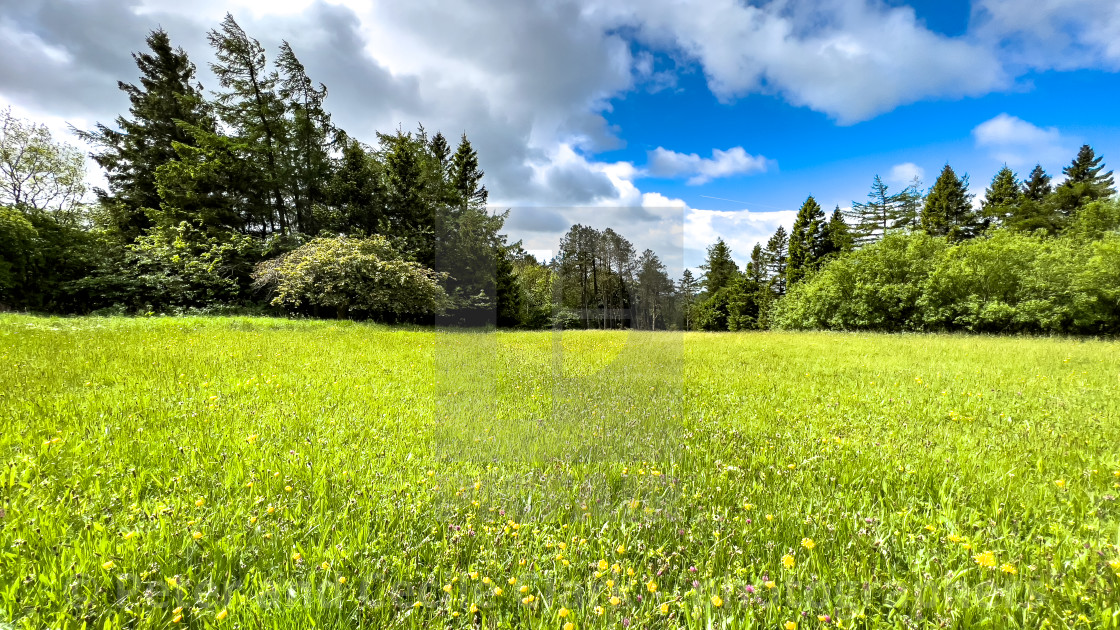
(675, 123)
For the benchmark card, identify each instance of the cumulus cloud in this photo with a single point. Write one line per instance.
(1019, 143)
(1051, 34)
(740, 229)
(905, 173)
(734, 161)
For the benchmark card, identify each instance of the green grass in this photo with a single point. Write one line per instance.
(262, 473)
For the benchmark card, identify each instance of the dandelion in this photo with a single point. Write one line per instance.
(342, 579)
(770, 584)
(1009, 568)
(108, 566)
(808, 543)
(1061, 483)
(789, 625)
(651, 586)
(474, 608)
(986, 559)
(953, 538)
(769, 517)
(603, 565)
(200, 503)
(524, 589)
(717, 601)
(615, 601)
(172, 582)
(569, 626)
(788, 561)
(325, 566)
(512, 581)
(287, 488)
(222, 615)
(664, 609)
(417, 604)
(296, 556)
(564, 612)
(497, 591)
(599, 610)
(621, 550)
(196, 535)
(446, 588)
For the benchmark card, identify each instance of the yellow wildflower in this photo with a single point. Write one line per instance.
(808, 543)
(651, 586)
(788, 561)
(222, 615)
(986, 559)
(716, 601)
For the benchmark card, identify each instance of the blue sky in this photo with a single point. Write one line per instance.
(644, 115)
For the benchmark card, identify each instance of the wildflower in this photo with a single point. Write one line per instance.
(1061, 483)
(953, 538)
(474, 608)
(1008, 568)
(342, 579)
(770, 584)
(621, 549)
(486, 581)
(615, 601)
(569, 626)
(603, 565)
(788, 561)
(524, 589)
(528, 600)
(474, 575)
(252, 438)
(610, 583)
(222, 615)
(769, 517)
(172, 582)
(651, 586)
(824, 618)
(497, 591)
(325, 566)
(808, 543)
(599, 610)
(564, 612)
(177, 618)
(664, 609)
(196, 535)
(296, 556)
(108, 566)
(716, 601)
(790, 625)
(130, 535)
(986, 559)
(446, 588)
(417, 604)
(287, 488)
(512, 581)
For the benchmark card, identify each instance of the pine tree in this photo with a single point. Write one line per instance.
(805, 242)
(466, 175)
(1084, 183)
(1003, 197)
(355, 192)
(948, 210)
(837, 236)
(1037, 187)
(777, 259)
(881, 213)
(252, 108)
(909, 205)
(757, 267)
(161, 108)
(719, 269)
(687, 290)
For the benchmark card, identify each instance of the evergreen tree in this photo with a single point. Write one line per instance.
(466, 176)
(719, 269)
(881, 213)
(1037, 187)
(909, 205)
(252, 109)
(687, 288)
(408, 217)
(309, 139)
(1003, 197)
(805, 241)
(837, 236)
(1085, 183)
(162, 109)
(948, 210)
(355, 192)
(777, 259)
(757, 267)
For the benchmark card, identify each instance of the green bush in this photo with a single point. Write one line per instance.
(353, 277)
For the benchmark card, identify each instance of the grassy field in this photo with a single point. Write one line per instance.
(260, 473)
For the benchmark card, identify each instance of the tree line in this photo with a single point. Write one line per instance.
(248, 196)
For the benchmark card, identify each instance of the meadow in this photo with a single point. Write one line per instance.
(268, 473)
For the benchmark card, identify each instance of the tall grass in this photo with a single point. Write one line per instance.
(270, 473)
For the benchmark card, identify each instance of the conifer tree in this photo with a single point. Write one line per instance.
(757, 267)
(909, 205)
(686, 288)
(881, 213)
(777, 259)
(1037, 187)
(1003, 197)
(466, 176)
(310, 137)
(837, 236)
(252, 108)
(1084, 183)
(161, 109)
(805, 241)
(948, 209)
(1035, 210)
(719, 269)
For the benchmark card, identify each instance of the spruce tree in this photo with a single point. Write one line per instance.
(805, 241)
(881, 213)
(757, 267)
(777, 259)
(1037, 187)
(686, 288)
(310, 138)
(1003, 197)
(719, 269)
(837, 236)
(1084, 183)
(909, 205)
(466, 176)
(161, 109)
(948, 209)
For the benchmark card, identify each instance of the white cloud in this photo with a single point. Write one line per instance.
(903, 174)
(1051, 34)
(734, 161)
(740, 229)
(1020, 144)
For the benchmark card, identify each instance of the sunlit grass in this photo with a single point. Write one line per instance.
(266, 473)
